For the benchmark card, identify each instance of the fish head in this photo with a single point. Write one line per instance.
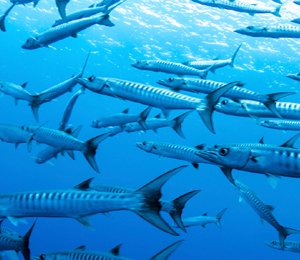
(250, 30)
(269, 123)
(30, 129)
(141, 64)
(228, 106)
(273, 244)
(146, 146)
(50, 256)
(173, 83)
(96, 124)
(95, 84)
(31, 43)
(57, 22)
(230, 157)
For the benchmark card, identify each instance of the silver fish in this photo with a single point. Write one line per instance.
(169, 67)
(174, 207)
(282, 31)
(156, 97)
(2, 17)
(122, 119)
(56, 91)
(263, 210)
(236, 93)
(157, 122)
(175, 151)
(295, 76)
(64, 141)
(293, 125)
(238, 6)
(291, 246)
(245, 108)
(9, 242)
(202, 220)
(63, 31)
(212, 64)
(113, 254)
(81, 203)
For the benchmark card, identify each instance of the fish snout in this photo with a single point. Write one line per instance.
(139, 145)
(207, 155)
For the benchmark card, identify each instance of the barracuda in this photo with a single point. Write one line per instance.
(279, 124)
(81, 203)
(291, 246)
(284, 31)
(212, 64)
(156, 97)
(12, 242)
(263, 210)
(175, 151)
(66, 142)
(63, 31)
(122, 119)
(174, 207)
(169, 67)
(157, 122)
(114, 254)
(236, 93)
(238, 6)
(2, 17)
(15, 134)
(202, 220)
(56, 91)
(287, 110)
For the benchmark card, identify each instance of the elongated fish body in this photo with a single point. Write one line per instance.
(263, 210)
(14, 134)
(80, 14)
(240, 6)
(284, 31)
(295, 76)
(291, 246)
(287, 110)
(121, 119)
(168, 67)
(63, 31)
(293, 125)
(16, 91)
(156, 97)
(81, 202)
(172, 150)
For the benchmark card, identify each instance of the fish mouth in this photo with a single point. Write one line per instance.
(208, 155)
(134, 65)
(139, 145)
(241, 31)
(161, 82)
(291, 76)
(81, 81)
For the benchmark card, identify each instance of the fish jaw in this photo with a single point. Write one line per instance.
(146, 146)
(293, 76)
(92, 83)
(31, 44)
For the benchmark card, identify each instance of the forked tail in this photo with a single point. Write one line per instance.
(284, 233)
(164, 254)
(178, 121)
(25, 247)
(219, 216)
(234, 55)
(143, 117)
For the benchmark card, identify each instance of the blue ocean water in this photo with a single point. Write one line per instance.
(168, 30)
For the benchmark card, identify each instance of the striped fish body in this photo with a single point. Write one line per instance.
(57, 139)
(287, 110)
(8, 242)
(281, 124)
(204, 64)
(16, 91)
(136, 92)
(115, 120)
(152, 123)
(271, 31)
(198, 221)
(69, 203)
(237, 6)
(167, 67)
(172, 150)
(14, 134)
(80, 14)
(62, 31)
(291, 246)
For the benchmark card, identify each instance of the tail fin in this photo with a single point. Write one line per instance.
(2, 18)
(143, 117)
(178, 121)
(272, 98)
(35, 2)
(92, 146)
(284, 233)
(234, 55)
(219, 216)
(25, 248)
(35, 110)
(203, 73)
(104, 20)
(206, 108)
(178, 205)
(164, 255)
(61, 5)
(150, 206)
(277, 10)
(81, 73)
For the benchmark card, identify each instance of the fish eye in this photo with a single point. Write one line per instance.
(138, 62)
(91, 78)
(224, 102)
(42, 257)
(216, 146)
(170, 79)
(266, 121)
(274, 242)
(184, 83)
(250, 27)
(223, 151)
(144, 143)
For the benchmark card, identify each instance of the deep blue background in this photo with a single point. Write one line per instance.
(169, 30)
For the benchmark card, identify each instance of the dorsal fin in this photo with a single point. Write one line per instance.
(84, 185)
(270, 207)
(116, 250)
(24, 85)
(290, 143)
(158, 116)
(200, 146)
(205, 214)
(80, 248)
(261, 141)
(125, 111)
